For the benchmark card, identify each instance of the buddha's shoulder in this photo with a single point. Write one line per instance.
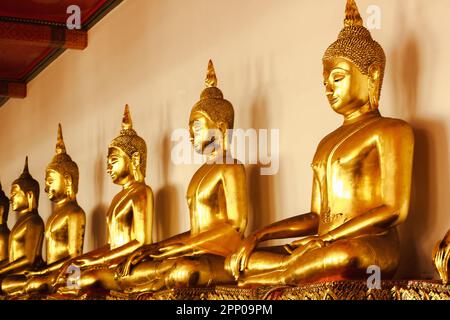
(34, 220)
(391, 122)
(230, 164)
(140, 188)
(385, 125)
(73, 209)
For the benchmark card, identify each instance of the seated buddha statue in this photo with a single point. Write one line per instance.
(4, 231)
(64, 231)
(25, 238)
(361, 181)
(441, 258)
(129, 217)
(217, 201)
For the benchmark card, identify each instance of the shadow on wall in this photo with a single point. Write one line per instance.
(430, 160)
(166, 198)
(261, 187)
(98, 221)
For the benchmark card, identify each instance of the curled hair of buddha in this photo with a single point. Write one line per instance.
(212, 104)
(355, 43)
(27, 183)
(129, 142)
(63, 163)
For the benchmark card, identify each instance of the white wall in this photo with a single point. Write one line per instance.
(152, 54)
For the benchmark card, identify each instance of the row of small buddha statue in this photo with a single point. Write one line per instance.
(360, 193)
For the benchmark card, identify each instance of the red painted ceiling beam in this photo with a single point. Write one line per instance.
(13, 89)
(55, 36)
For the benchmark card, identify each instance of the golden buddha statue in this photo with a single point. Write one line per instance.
(4, 231)
(64, 232)
(441, 258)
(361, 185)
(217, 202)
(129, 217)
(25, 239)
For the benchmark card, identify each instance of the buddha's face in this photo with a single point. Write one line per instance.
(55, 185)
(203, 133)
(118, 166)
(18, 198)
(347, 89)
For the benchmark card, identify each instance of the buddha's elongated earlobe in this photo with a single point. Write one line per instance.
(374, 85)
(69, 187)
(30, 199)
(135, 167)
(224, 135)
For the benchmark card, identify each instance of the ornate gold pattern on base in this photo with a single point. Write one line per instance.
(337, 290)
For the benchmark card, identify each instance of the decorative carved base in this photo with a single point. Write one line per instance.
(337, 290)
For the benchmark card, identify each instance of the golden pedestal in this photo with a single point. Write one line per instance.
(338, 290)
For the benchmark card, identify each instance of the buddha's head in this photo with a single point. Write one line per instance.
(61, 175)
(211, 117)
(24, 192)
(127, 154)
(4, 207)
(353, 67)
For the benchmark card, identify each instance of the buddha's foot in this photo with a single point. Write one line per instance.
(68, 291)
(154, 285)
(15, 294)
(269, 278)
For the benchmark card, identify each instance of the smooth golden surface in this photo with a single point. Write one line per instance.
(217, 202)
(26, 237)
(4, 231)
(129, 217)
(361, 186)
(441, 258)
(64, 231)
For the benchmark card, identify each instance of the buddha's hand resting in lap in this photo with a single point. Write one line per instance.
(67, 269)
(61, 275)
(168, 251)
(124, 268)
(316, 241)
(441, 257)
(302, 246)
(35, 273)
(238, 261)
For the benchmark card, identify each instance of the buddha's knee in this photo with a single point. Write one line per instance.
(86, 279)
(12, 283)
(37, 284)
(350, 257)
(184, 273)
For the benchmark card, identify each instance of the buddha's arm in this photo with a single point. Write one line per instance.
(33, 233)
(219, 240)
(16, 266)
(395, 147)
(142, 206)
(96, 253)
(235, 195)
(75, 224)
(3, 247)
(298, 226)
(148, 250)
